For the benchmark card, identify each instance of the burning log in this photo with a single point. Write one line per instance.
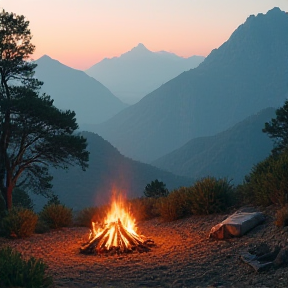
(116, 239)
(118, 234)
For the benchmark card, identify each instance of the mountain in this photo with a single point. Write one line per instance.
(107, 170)
(139, 71)
(244, 75)
(75, 90)
(230, 154)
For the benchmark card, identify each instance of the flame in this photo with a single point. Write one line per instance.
(119, 229)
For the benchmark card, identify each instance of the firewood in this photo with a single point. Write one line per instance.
(116, 233)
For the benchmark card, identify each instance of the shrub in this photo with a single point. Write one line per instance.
(41, 227)
(86, 216)
(22, 199)
(144, 208)
(268, 181)
(56, 216)
(156, 189)
(19, 222)
(211, 195)
(14, 271)
(282, 217)
(176, 205)
(53, 199)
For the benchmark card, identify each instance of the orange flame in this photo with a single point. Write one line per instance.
(116, 225)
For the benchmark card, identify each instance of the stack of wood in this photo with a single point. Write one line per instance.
(116, 239)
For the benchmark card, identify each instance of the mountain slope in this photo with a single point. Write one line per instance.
(73, 89)
(108, 169)
(137, 72)
(231, 153)
(246, 74)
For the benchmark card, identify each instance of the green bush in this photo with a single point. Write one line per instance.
(19, 222)
(144, 208)
(268, 182)
(176, 205)
(282, 216)
(86, 216)
(56, 216)
(41, 227)
(156, 189)
(211, 195)
(14, 271)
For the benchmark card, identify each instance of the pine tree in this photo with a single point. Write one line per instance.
(34, 134)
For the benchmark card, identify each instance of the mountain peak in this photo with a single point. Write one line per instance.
(43, 57)
(275, 10)
(262, 28)
(47, 60)
(139, 48)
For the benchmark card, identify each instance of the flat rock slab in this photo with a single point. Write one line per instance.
(236, 225)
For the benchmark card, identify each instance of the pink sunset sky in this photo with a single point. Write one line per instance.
(80, 33)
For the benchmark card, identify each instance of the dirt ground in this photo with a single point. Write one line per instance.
(184, 256)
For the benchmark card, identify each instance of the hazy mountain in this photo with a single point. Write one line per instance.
(108, 169)
(246, 74)
(75, 90)
(230, 154)
(138, 72)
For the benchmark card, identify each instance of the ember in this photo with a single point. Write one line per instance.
(117, 234)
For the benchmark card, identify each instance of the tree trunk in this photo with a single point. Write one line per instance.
(7, 196)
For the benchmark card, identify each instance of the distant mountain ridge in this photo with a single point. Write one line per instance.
(107, 170)
(246, 74)
(75, 90)
(139, 71)
(230, 154)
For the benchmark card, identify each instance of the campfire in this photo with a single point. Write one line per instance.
(117, 234)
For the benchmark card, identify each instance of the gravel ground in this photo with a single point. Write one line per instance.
(183, 256)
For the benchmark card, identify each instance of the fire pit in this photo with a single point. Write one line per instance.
(118, 233)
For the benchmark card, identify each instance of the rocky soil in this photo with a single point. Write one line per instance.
(184, 256)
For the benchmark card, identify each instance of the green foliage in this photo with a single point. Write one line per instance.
(54, 199)
(56, 216)
(211, 195)
(277, 129)
(22, 199)
(156, 189)
(144, 208)
(268, 181)
(177, 205)
(33, 133)
(208, 195)
(282, 216)
(86, 216)
(41, 227)
(16, 272)
(19, 222)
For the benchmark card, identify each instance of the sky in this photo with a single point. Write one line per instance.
(80, 33)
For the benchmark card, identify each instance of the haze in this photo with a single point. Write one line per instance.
(82, 33)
